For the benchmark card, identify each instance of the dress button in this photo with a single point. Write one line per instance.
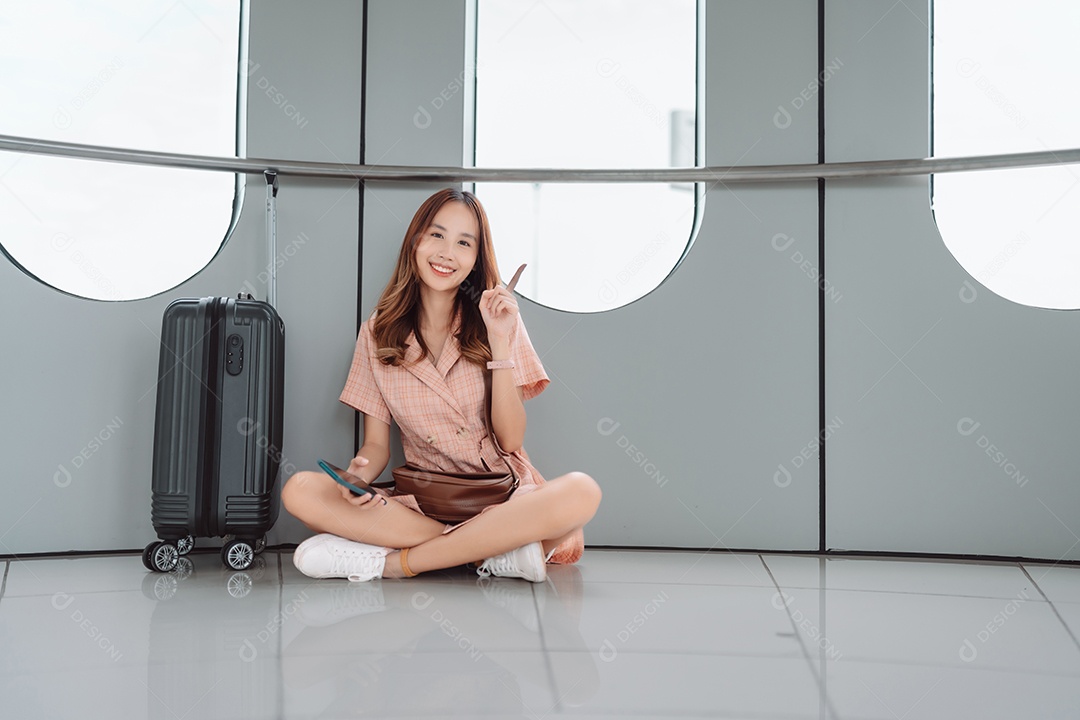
(431, 439)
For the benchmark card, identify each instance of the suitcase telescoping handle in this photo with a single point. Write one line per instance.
(271, 234)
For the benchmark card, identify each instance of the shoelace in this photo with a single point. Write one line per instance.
(343, 562)
(496, 565)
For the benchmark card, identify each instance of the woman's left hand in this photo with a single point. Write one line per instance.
(499, 309)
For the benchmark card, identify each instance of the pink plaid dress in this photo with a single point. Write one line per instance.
(440, 410)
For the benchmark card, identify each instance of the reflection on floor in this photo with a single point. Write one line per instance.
(622, 633)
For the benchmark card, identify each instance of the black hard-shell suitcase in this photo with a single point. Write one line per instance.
(218, 426)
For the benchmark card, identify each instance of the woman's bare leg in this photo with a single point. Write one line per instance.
(548, 514)
(315, 500)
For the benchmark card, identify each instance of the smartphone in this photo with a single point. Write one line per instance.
(337, 473)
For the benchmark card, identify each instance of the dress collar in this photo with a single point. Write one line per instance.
(434, 376)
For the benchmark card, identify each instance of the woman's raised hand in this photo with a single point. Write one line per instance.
(499, 309)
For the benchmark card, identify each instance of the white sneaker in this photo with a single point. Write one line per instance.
(526, 562)
(330, 556)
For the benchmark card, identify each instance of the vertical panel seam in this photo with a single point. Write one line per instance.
(360, 204)
(821, 285)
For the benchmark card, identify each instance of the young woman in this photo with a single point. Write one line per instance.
(419, 360)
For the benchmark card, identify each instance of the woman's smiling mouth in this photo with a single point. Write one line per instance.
(441, 270)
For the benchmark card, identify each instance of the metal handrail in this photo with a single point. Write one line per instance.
(725, 174)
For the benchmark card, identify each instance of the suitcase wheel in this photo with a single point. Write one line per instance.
(260, 545)
(161, 557)
(237, 554)
(185, 545)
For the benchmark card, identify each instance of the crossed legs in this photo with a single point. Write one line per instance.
(549, 514)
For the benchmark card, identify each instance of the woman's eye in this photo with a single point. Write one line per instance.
(465, 243)
(436, 234)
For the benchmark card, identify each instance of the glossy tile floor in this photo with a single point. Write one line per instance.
(620, 634)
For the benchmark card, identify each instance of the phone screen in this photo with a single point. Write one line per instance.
(337, 473)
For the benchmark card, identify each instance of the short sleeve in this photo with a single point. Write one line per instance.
(361, 391)
(528, 372)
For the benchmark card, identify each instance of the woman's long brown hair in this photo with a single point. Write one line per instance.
(398, 311)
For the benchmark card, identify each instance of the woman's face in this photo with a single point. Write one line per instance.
(447, 250)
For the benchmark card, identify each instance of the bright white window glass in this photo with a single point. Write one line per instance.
(152, 75)
(612, 84)
(1006, 75)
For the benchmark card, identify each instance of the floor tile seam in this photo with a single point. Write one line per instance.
(866, 660)
(1053, 607)
(819, 680)
(548, 668)
(138, 591)
(466, 583)
(902, 592)
(894, 559)
(847, 660)
(790, 656)
(280, 689)
(3, 583)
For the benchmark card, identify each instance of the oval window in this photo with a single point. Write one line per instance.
(158, 75)
(588, 85)
(1003, 77)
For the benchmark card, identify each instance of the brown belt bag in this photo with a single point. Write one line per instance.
(454, 497)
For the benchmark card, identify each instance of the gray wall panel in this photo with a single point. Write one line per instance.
(313, 54)
(958, 406)
(877, 98)
(762, 102)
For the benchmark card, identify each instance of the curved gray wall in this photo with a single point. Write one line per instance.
(696, 407)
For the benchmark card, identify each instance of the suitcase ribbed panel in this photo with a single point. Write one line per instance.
(247, 511)
(177, 447)
(169, 511)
